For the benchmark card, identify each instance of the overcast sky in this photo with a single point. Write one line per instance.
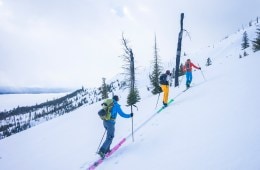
(57, 43)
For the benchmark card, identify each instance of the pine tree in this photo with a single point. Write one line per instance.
(128, 56)
(245, 41)
(256, 42)
(104, 89)
(245, 54)
(154, 77)
(209, 62)
(133, 96)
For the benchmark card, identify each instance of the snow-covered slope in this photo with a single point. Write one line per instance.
(214, 125)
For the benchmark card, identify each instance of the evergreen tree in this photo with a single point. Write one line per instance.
(128, 56)
(133, 96)
(245, 53)
(245, 41)
(154, 77)
(256, 42)
(104, 91)
(209, 62)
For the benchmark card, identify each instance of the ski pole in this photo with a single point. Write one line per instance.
(157, 100)
(202, 73)
(133, 129)
(101, 140)
(181, 80)
(132, 124)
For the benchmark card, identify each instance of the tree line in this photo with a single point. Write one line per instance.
(24, 117)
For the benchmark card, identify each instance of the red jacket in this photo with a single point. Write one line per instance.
(188, 66)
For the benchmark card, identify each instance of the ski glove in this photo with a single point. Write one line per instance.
(200, 68)
(131, 114)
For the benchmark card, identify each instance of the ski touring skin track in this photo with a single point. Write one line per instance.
(99, 161)
(163, 107)
(115, 148)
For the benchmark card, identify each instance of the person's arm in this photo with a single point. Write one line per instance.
(121, 113)
(194, 66)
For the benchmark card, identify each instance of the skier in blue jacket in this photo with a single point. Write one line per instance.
(109, 125)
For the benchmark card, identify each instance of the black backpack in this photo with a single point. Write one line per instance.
(163, 79)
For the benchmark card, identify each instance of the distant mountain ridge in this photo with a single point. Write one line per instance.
(31, 90)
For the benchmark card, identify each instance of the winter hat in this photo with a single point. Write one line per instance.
(168, 72)
(115, 97)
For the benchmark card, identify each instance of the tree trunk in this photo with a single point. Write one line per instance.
(178, 55)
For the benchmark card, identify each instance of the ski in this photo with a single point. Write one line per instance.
(115, 148)
(99, 161)
(186, 89)
(163, 107)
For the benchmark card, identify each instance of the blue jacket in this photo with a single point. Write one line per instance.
(117, 109)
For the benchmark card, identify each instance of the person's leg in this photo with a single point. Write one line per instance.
(189, 79)
(165, 90)
(110, 127)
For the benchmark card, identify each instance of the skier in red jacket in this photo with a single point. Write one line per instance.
(188, 69)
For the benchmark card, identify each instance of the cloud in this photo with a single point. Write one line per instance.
(122, 11)
(118, 11)
(127, 13)
(71, 38)
(143, 8)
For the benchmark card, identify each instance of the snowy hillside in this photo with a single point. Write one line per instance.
(214, 125)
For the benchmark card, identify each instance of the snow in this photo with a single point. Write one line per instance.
(214, 125)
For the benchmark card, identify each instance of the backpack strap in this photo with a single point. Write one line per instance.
(188, 66)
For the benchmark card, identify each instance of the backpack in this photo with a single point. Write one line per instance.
(163, 79)
(187, 66)
(105, 112)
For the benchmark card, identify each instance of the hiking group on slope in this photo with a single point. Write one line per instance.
(165, 79)
(111, 107)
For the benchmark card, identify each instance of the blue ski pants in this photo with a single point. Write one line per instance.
(109, 125)
(188, 77)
